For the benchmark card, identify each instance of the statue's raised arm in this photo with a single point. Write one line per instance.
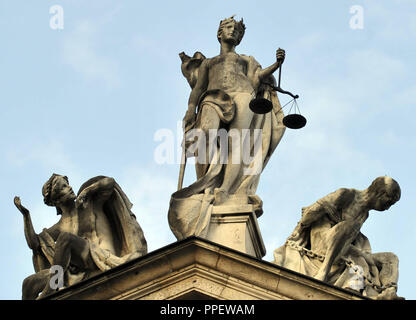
(30, 234)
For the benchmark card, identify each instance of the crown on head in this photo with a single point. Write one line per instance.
(240, 25)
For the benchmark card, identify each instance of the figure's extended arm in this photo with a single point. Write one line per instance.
(200, 86)
(267, 72)
(30, 234)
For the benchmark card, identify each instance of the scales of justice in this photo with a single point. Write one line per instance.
(291, 121)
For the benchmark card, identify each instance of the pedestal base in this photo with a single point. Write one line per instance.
(236, 227)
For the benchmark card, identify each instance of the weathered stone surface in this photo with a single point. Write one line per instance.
(97, 231)
(327, 243)
(201, 269)
(227, 167)
(236, 227)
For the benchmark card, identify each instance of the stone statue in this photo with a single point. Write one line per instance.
(96, 232)
(327, 243)
(222, 88)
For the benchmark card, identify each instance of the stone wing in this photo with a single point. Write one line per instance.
(190, 66)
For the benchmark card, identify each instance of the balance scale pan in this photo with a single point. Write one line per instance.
(261, 105)
(294, 121)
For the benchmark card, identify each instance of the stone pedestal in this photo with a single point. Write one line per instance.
(236, 227)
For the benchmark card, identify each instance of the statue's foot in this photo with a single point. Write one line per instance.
(220, 196)
(389, 294)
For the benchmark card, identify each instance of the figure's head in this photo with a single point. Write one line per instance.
(231, 31)
(57, 191)
(383, 193)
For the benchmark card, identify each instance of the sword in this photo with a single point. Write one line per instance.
(183, 165)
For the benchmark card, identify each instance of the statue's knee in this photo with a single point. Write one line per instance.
(387, 257)
(393, 258)
(28, 288)
(27, 284)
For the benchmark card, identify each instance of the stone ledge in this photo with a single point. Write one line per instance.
(197, 267)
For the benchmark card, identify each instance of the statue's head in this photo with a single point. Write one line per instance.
(231, 30)
(57, 191)
(384, 192)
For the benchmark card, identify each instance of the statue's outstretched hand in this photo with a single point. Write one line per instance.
(280, 55)
(19, 206)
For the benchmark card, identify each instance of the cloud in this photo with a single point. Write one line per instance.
(79, 50)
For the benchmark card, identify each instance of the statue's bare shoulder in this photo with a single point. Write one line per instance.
(344, 197)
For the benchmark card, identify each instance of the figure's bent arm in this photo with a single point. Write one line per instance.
(311, 214)
(265, 73)
(200, 87)
(104, 184)
(325, 206)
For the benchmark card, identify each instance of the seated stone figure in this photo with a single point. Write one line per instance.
(96, 232)
(327, 243)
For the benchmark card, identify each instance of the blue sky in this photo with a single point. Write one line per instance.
(87, 100)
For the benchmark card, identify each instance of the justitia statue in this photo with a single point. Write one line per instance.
(327, 243)
(96, 232)
(227, 169)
